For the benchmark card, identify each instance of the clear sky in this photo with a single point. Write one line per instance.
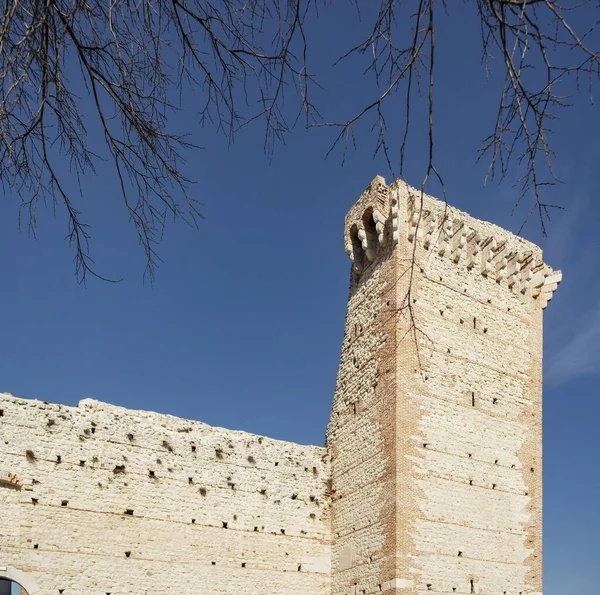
(243, 326)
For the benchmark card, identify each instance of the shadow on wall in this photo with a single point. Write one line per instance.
(8, 587)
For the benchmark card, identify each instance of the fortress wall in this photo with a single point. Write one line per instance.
(361, 432)
(475, 456)
(99, 499)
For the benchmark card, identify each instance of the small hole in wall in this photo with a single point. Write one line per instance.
(460, 554)
(167, 446)
(34, 500)
(82, 463)
(283, 531)
(193, 521)
(256, 529)
(190, 480)
(531, 469)
(441, 312)
(130, 437)
(276, 463)
(496, 462)
(472, 586)
(474, 322)
(429, 586)
(35, 546)
(424, 444)
(93, 430)
(470, 482)
(315, 471)
(1, 412)
(224, 524)
(129, 512)
(294, 496)
(51, 423)
(193, 448)
(127, 554)
(263, 492)
(485, 330)
(472, 399)
(299, 567)
(243, 564)
(219, 453)
(493, 486)
(64, 502)
(202, 491)
(489, 302)
(251, 460)
(151, 473)
(58, 459)
(312, 515)
(61, 590)
(462, 321)
(119, 469)
(470, 455)
(527, 493)
(214, 563)
(494, 401)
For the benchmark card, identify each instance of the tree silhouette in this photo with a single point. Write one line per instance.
(129, 59)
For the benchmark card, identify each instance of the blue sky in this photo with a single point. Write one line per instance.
(243, 326)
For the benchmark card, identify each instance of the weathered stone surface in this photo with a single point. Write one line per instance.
(435, 434)
(430, 481)
(131, 502)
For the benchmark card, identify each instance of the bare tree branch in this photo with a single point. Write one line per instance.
(246, 60)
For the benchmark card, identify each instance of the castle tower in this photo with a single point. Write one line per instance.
(435, 435)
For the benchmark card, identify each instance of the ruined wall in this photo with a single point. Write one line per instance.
(437, 476)
(98, 499)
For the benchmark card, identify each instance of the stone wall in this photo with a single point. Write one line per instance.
(361, 435)
(98, 499)
(435, 434)
(474, 407)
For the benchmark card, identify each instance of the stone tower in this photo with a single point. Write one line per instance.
(435, 435)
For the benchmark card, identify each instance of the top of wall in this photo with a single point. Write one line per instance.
(150, 421)
(398, 212)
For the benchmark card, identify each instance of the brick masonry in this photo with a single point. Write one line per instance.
(429, 483)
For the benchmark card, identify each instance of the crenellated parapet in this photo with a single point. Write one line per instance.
(365, 224)
(386, 214)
